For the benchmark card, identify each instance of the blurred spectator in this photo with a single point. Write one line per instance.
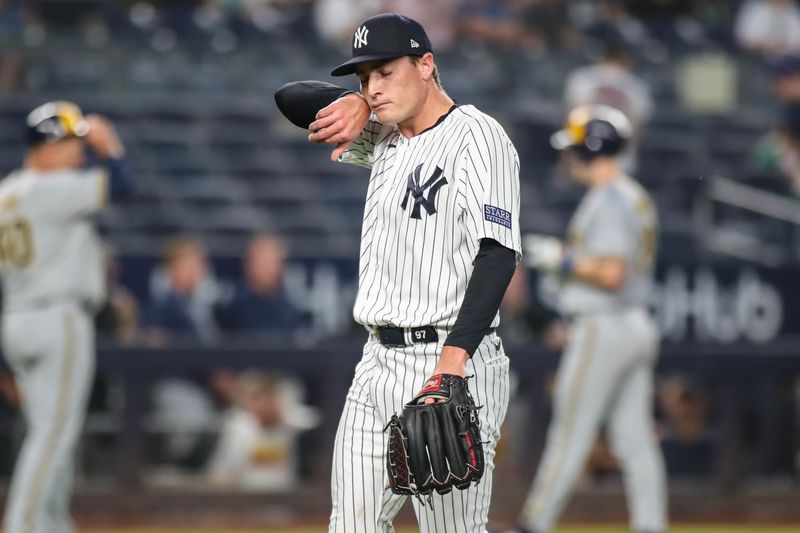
(717, 18)
(600, 462)
(769, 27)
(267, 17)
(12, 18)
(58, 15)
(257, 447)
(669, 21)
(12, 28)
(336, 20)
(785, 71)
(492, 22)
(611, 81)
(662, 8)
(258, 304)
(609, 20)
(222, 385)
(173, 10)
(779, 151)
(86, 19)
(183, 420)
(524, 320)
(534, 24)
(118, 319)
(547, 24)
(686, 438)
(181, 306)
(440, 19)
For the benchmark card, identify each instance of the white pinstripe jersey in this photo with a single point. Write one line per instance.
(430, 201)
(49, 249)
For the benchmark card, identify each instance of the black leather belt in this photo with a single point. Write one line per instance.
(389, 336)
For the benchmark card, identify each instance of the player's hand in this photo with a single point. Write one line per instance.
(543, 252)
(340, 123)
(452, 360)
(103, 138)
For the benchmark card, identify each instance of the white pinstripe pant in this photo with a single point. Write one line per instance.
(51, 351)
(385, 379)
(605, 376)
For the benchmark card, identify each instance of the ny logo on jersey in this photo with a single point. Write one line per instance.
(360, 38)
(434, 183)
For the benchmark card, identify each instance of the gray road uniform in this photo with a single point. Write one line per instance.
(52, 275)
(606, 373)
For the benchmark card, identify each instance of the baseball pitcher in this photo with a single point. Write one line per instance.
(439, 244)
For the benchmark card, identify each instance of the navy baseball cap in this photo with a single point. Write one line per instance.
(594, 129)
(385, 36)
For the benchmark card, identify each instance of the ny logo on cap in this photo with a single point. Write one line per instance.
(360, 37)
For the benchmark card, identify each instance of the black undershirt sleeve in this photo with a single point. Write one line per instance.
(299, 101)
(494, 267)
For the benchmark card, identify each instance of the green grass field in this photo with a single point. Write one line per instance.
(587, 529)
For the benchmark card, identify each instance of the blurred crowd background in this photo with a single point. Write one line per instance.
(240, 244)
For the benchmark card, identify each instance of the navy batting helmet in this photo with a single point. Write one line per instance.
(54, 121)
(594, 130)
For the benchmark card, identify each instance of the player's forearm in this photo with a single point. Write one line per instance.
(120, 178)
(607, 273)
(299, 101)
(494, 267)
(452, 360)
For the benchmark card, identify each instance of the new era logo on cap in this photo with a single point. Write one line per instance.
(385, 36)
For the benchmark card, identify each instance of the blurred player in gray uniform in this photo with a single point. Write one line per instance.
(52, 275)
(606, 373)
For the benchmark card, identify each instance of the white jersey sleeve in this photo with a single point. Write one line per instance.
(362, 151)
(491, 185)
(70, 194)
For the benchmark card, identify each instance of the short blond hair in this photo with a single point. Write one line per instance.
(254, 382)
(436, 79)
(179, 246)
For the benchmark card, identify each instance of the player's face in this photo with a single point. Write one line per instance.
(188, 270)
(395, 90)
(265, 405)
(66, 153)
(578, 168)
(264, 266)
(787, 88)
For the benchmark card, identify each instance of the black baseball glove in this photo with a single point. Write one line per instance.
(436, 446)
